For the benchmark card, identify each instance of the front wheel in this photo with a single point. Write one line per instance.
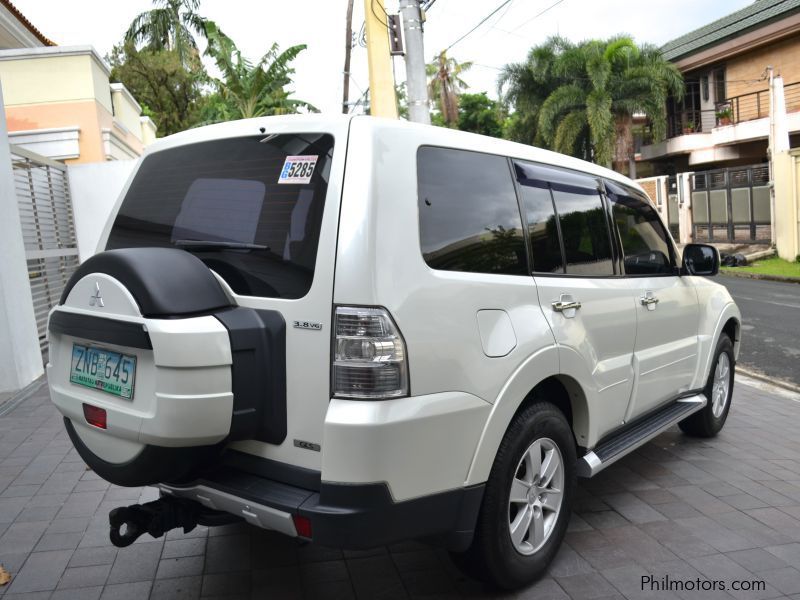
(528, 500)
(719, 389)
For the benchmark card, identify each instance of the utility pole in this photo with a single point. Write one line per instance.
(771, 153)
(416, 79)
(347, 50)
(381, 81)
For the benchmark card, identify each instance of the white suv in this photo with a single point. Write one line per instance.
(358, 331)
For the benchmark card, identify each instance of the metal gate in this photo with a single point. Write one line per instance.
(731, 205)
(48, 229)
(672, 207)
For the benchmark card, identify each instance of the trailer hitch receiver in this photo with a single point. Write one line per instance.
(159, 516)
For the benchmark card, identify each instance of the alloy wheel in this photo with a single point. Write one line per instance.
(536, 495)
(721, 385)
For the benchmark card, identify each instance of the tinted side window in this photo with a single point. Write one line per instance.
(584, 229)
(644, 239)
(468, 214)
(540, 214)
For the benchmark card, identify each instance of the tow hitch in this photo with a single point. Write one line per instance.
(159, 516)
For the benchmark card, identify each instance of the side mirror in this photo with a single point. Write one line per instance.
(700, 259)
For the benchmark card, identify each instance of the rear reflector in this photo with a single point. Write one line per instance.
(95, 416)
(302, 525)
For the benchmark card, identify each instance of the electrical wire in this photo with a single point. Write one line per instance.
(381, 21)
(537, 15)
(481, 22)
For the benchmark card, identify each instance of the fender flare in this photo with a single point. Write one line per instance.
(535, 369)
(707, 342)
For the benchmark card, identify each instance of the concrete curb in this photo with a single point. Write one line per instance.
(759, 255)
(22, 395)
(770, 380)
(762, 276)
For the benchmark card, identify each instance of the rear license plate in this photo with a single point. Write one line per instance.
(104, 370)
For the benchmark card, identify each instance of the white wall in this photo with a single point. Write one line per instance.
(95, 188)
(20, 357)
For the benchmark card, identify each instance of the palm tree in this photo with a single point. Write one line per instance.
(253, 90)
(525, 86)
(169, 26)
(446, 84)
(581, 98)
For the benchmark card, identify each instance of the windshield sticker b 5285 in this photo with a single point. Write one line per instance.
(298, 169)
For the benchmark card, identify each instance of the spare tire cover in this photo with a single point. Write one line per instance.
(160, 283)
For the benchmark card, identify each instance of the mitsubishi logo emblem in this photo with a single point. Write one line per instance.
(96, 299)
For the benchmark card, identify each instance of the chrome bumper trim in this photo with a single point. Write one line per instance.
(255, 514)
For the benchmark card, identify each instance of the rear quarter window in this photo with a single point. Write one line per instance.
(222, 201)
(469, 218)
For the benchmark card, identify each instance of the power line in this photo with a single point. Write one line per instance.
(481, 22)
(537, 15)
(381, 21)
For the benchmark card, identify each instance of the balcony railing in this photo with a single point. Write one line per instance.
(755, 105)
(737, 109)
(690, 121)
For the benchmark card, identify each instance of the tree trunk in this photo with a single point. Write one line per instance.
(348, 47)
(623, 143)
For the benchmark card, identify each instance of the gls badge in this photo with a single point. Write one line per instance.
(307, 325)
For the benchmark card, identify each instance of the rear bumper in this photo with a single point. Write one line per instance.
(352, 516)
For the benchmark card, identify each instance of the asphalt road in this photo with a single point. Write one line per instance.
(770, 326)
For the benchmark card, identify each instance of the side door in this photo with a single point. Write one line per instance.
(665, 354)
(589, 307)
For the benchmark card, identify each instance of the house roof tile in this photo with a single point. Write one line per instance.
(26, 23)
(757, 14)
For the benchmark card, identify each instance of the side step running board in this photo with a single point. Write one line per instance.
(614, 448)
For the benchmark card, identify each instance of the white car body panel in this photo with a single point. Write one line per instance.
(477, 344)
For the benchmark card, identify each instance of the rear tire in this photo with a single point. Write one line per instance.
(719, 390)
(528, 501)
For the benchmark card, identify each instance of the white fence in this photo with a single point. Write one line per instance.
(48, 230)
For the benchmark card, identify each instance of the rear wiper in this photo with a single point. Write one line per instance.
(216, 245)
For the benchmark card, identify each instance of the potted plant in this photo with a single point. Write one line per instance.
(724, 116)
(689, 127)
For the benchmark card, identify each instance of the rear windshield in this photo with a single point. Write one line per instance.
(250, 208)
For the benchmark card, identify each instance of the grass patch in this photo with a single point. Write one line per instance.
(770, 266)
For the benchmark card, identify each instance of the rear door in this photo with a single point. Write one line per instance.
(260, 209)
(665, 354)
(590, 308)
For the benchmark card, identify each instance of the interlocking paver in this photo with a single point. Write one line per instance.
(726, 508)
(42, 571)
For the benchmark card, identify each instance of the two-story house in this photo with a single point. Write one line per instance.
(723, 118)
(711, 177)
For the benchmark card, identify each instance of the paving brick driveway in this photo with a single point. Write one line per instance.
(726, 509)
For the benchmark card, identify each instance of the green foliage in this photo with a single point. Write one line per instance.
(171, 25)
(248, 90)
(401, 97)
(167, 90)
(445, 85)
(770, 266)
(480, 114)
(579, 99)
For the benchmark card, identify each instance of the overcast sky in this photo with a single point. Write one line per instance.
(506, 37)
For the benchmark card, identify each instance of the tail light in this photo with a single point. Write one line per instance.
(369, 355)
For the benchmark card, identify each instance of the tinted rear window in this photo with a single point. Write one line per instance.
(221, 200)
(468, 213)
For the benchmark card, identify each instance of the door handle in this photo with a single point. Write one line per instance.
(566, 305)
(649, 300)
(560, 306)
